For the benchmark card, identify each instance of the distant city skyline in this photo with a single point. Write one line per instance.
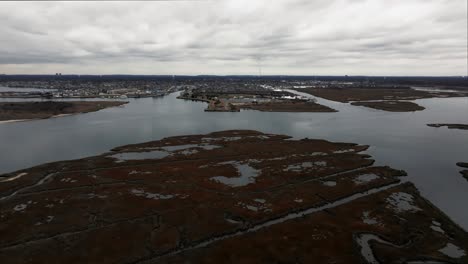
(236, 37)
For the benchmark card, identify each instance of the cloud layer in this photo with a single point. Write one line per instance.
(295, 37)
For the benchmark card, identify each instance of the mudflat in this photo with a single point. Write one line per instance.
(231, 196)
(40, 110)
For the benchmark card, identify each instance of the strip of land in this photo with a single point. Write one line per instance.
(233, 196)
(17, 111)
(394, 100)
(450, 126)
(463, 172)
(391, 106)
(288, 106)
(271, 106)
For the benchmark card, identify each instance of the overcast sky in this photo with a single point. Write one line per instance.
(294, 37)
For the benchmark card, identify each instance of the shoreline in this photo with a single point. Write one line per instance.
(58, 115)
(32, 119)
(14, 121)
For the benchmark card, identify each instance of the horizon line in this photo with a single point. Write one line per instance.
(229, 75)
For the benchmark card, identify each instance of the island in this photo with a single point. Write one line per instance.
(288, 106)
(237, 196)
(233, 99)
(391, 106)
(450, 126)
(387, 99)
(13, 111)
(464, 172)
(270, 106)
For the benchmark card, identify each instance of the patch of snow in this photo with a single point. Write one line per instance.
(305, 165)
(343, 151)
(126, 156)
(251, 207)
(139, 172)
(222, 138)
(278, 158)
(189, 152)
(329, 183)
(452, 251)
(154, 196)
(190, 146)
(261, 207)
(365, 178)
(402, 202)
(436, 226)
(20, 207)
(367, 219)
(93, 195)
(318, 154)
(320, 163)
(231, 221)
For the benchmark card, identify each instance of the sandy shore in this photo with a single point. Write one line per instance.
(63, 115)
(13, 121)
(23, 120)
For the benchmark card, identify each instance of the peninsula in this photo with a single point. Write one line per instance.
(45, 109)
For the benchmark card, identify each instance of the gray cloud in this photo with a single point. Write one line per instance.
(375, 37)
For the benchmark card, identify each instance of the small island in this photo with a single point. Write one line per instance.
(18, 111)
(464, 172)
(288, 106)
(391, 106)
(450, 126)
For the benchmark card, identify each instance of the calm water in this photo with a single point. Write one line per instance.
(400, 140)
